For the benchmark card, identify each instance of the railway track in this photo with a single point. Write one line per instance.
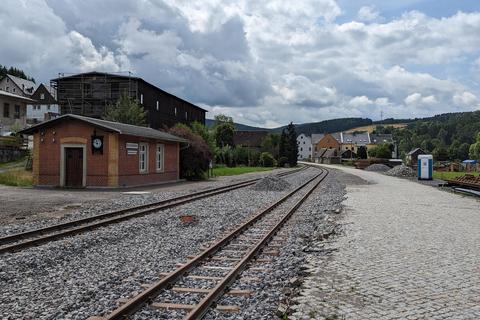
(220, 264)
(31, 238)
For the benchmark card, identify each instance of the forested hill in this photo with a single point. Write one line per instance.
(328, 126)
(447, 136)
(238, 126)
(14, 72)
(333, 125)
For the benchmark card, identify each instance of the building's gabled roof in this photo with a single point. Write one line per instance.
(120, 128)
(381, 138)
(415, 151)
(27, 86)
(330, 153)
(51, 91)
(15, 96)
(320, 152)
(337, 136)
(358, 138)
(127, 77)
(316, 137)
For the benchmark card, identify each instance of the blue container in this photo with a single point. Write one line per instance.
(425, 167)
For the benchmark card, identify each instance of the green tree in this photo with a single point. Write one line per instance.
(204, 132)
(474, 151)
(462, 151)
(127, 110)
(224, 130)
(362, 152)
(383, 150)
(288, 147)
(440, 153)
(271, 144)
(267, 160)
(14, 72)
(194, 158)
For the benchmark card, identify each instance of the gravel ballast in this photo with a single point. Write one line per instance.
(271, 183)
(123, 199)
(401, 171)
(377, 167)
(84, 275)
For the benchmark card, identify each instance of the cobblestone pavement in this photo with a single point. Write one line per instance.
(406, 251)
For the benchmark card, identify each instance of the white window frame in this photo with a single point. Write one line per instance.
(145, 154)
(141, 98)
(158, 106)
(160, 157)
(175, 111)
(42, 96)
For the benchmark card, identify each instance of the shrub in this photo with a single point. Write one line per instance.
(381, 151)
(282, 161)
(254, 158)
(194, 159)
(267, 160)
(241, 156)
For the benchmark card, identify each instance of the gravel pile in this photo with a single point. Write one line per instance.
(84, 275)
(401, 171)
(377, 167)
(271, 183)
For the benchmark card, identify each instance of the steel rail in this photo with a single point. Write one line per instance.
(37, 236)
(155, 289)
(204, 305)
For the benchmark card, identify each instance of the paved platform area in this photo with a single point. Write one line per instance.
(406, 251)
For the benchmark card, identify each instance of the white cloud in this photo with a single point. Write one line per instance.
(360, 101)
(263, 62)
(368, 13)
(417, 99)
(465, 99)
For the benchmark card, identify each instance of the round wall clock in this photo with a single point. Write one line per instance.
(97, 143)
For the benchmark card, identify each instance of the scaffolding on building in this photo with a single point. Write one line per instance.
(90, 94)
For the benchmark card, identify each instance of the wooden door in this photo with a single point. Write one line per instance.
(74, 167)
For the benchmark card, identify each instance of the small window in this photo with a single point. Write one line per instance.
(143, 157)
(309, 148)
(16, 114)
(186, 115)
(158, 106)
(42, 96)
(141, 98)
(6, 110)
(14, 90)
(8, 80)
(48, 107)
(159, 157)
(301, 149)
(7, 89)
(175, 110)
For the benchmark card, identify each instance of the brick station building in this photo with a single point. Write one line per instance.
(77, 151)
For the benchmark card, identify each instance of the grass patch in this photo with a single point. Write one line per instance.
(226, 171)
(16, 163)
(450, 175)
(16, 178)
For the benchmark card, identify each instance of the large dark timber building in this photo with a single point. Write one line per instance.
(89, 94)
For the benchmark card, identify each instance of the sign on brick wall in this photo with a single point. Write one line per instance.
(132, 148)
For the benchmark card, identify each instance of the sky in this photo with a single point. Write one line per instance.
(265, 63)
